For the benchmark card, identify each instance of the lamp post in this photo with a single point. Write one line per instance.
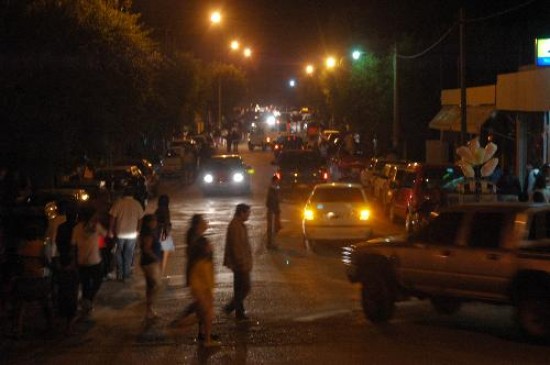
(215, 19)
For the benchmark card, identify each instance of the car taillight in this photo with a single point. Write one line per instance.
(278, 174)
(325, 175)
(276, 146)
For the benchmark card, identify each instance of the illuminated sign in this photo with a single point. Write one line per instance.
(543, 51)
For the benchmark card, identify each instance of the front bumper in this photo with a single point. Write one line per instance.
(334, 232)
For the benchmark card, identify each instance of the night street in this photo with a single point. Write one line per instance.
(302, 307)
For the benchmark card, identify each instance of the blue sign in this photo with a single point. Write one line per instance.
(543, 52)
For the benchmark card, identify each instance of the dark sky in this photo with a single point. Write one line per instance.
(286, 33)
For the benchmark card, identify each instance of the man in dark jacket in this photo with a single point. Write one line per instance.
(238, 258)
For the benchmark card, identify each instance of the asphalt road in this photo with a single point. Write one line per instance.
(303, 309)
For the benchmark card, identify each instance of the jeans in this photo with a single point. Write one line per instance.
(125, 256)
(90, 279)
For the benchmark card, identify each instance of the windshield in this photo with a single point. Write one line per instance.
(344, 194)
(223, 163)
(307, 160)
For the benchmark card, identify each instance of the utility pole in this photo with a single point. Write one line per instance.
(395, 129)
(463, 101)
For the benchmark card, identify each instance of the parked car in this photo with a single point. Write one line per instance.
(339, 212)
(486, 252)
(381, 181)
(298, 172)
(225, 174)
(286, 143)
(119, 178)
(373, 167)
(152, 179)
(421, 182)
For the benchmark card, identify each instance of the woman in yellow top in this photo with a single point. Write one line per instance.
(200, 272)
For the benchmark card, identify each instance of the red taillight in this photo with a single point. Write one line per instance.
(276, 146)
(325, 175)
(278, 174)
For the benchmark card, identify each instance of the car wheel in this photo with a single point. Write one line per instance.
(443, 305)
(533, 316)
(250, 146)
(376, 299)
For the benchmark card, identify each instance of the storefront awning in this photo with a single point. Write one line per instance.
(448, 118)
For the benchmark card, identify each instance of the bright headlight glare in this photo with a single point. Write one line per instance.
(84, 197)
(238, 177)
(308, 214)
(364, 214)
(208, 178)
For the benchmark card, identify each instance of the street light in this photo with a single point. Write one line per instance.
(247, 52)
(330, 62)
(235, 45)
(215, 17)
(292, 83)
(356, 54)
(310, 69)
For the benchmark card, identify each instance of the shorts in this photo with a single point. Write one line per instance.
(168, 244)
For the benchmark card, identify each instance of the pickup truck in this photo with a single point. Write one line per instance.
(488, 252)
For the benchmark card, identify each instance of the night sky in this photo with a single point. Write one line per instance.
(287, 34)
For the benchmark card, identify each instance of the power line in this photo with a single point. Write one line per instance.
(424, 52)
(473, 20)
(500, 13)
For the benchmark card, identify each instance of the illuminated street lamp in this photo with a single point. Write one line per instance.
(310, 69)
(356, 54)
(330, 62)
(235, 45)
(247, 52)
(215, 17)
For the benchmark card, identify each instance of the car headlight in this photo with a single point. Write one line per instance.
(238, 177)
(364, 214)
(84, 197)
(308, 214)
(208, 178)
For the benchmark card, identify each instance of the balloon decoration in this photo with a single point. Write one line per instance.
(477, 162)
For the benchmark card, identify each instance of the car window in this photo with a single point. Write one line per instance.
(407, 179)
(353, 195)
(299, 159)
(487, 229)
(224, 163)
(540, 226)
(444, 229)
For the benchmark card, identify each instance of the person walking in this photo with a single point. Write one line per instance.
(238, 258)
(200, 279)
(67, 270)
(164, 230)
(126, 215)
(273, 212)
(151, 256)
(85, 238)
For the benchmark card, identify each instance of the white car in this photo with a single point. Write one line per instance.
(336, 212)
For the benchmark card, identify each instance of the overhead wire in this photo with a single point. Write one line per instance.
(473, 20)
